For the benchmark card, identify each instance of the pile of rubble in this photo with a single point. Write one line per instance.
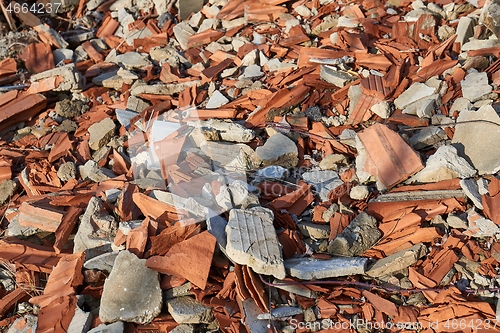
(230, 165)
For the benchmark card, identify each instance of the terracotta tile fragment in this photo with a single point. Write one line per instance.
(38, 57)
(38, 216)
(10, 300)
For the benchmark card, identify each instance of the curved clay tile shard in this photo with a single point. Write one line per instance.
(389, 158)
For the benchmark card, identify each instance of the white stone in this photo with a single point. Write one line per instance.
(217, 100)
(465, 30)
(475, 85)
(382, 109)
(331, 75)
(323, 181)
(330, 162)
(310, 268)
(442, 165)
(477, 139)
(460, 104)
(415, 92)
(252, 241)
(131, 292)
(314, 230)
(397, 261)
(133, 60)
(470, 188)
(249, 59)
(428, 136)
(186, 310)
(182, 32)
(303, 11)
(252, 71)
(482, 186)
(278, 150)
(359, 192)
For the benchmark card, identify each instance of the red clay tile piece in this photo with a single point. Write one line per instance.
(32, 215)
(21, 109)
(390, 158)
(34, 257)
(10, 300)
(205, 37)
(92, 52)
(66, 226)
(197, 251)
(38, 57)
(137, 239)
(381, 304)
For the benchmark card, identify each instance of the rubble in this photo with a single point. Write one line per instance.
(123, 299)
(323, 181)
(310, 268)
(278, 150)
(186, 310)
(7, 189)
(258, 246)
(101, 133)
(397, 261)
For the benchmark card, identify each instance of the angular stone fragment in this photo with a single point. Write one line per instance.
(182, 32)
(479, 226)
(67, 171)
(281, 312)
(125, 116)
(7, 189)
(310, 268)
(397, 261)
(323, 181)
(359, 192)
(279, 150)
(330, 162)
(103, 262)
(335, 77)
(81, 321)
(131, 292)
(251, 314)
(360, 235)
(491, 16)
(314, 230)
(101, 133)
(252, 241)
(217, 100)
(442, 165)
(475, 85)
(91, 170)
(117, 327)
(427, 136)
(477, 140)
(414, 93)
(216, 130)
(96, 231)
(465, 30)
(186, 310)
(470, 188)
(133, 60)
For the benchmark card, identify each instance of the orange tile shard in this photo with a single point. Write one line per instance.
(190, 259)
(388, 156)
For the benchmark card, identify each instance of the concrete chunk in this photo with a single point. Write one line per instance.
(279, 150)
(479, 226)
(252, 315)
(314, 230)
(397, 261)
(335, 77)
(217, 100)
(101, 133)
(477, 140)
(133, 60)
(217, 130)
(360, 235)
(428, 136)
(7, 189)
(475, 85)
(117, 327)
(442, 165)
(131, 292)
(66, 172)
(471, 190)
(323, 181)
(186, 310)
(252, 241)
(73, 80)
(415, 92)
(310, 268)
(182, 32)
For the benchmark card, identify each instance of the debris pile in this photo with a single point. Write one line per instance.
(258, 166)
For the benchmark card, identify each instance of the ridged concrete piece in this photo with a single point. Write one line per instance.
(252, 241)
(310, 268)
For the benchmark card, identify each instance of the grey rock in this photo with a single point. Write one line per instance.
(91, 170)
(314, 230)
(252, 313)
(360, 235)
(491, 16)
(279, 150)
(101, 133)
(131, 292)
(7, 189)
(125, 116)
(330, 162)
(477, 139)
(187, 204)
(354, 93)
(271, 172)
(62, 54)
(217, 100)
(182, 32)
(252, 71)
(465, 30)
(418, 195)
(136, 104)
(66, 171)
(73, 80)
(216, 225)
(163, 89)
(216, 130)
(456, 222)
(81, 322)
(397, 261)
(314, 113)
(117, 327)
(180, 291)
(475, 85)
(252, 241)
(442, 165)
(281, 312)
(296, 289)
(382, 109)
(331, 75)
(133, 60)
(15, 229)
(96, 232)
(415, 92)
(428, 136)
(183, 329)
(460, 104)
(187, 7)
(103, 262)
(186, 310)
(482, 186)
(310, 268)
(230, 156)
(359, 192)
(471, 190)
(323, 181)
